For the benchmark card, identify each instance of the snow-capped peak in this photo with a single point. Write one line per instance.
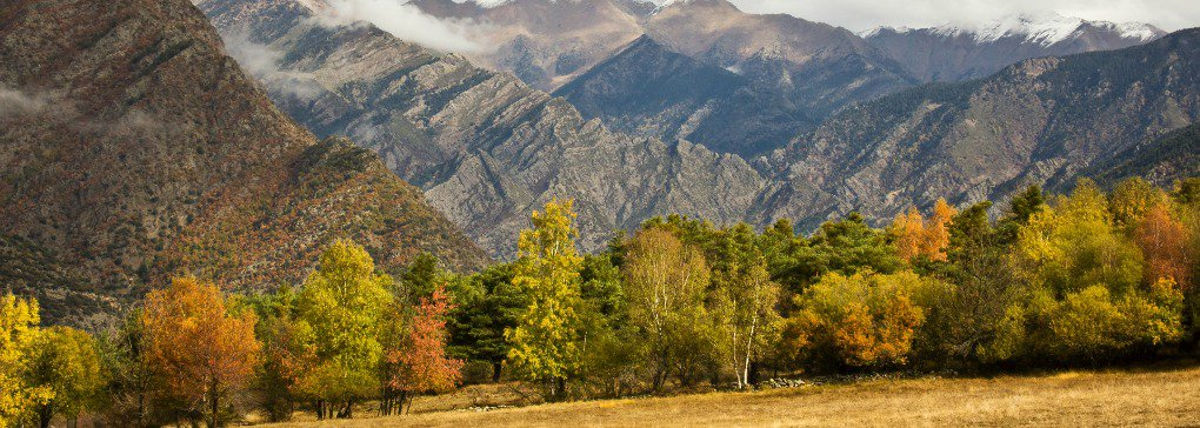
(1045, 28)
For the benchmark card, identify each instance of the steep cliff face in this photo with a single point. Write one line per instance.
(1041, 121)
(953, 53)
(134, 148)
(486, 147)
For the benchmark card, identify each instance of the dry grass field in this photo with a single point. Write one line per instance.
(1164, 397)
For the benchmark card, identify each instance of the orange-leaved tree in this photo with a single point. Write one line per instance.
(1166, 244)
(420, 363)
(203, 353)
(913, 235)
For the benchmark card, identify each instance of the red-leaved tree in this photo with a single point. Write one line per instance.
(420, 363)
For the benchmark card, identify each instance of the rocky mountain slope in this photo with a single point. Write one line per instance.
(133, 148)
(1169, 158)
(545, 43)
(1042, 121)
(797, 72)
(648, 90)
(953, 53)
(486, 147)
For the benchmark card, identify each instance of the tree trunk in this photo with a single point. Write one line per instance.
(320, 409)
(496, 366)
(754, 369)
(215, 398)
(560, 388)
(45, 414)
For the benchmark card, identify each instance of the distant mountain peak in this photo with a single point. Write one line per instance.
(1044, 28)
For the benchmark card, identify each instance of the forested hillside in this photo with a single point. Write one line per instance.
(134, 148)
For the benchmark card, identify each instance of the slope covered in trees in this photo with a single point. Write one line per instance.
(133, 147)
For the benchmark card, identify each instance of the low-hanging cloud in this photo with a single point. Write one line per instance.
(407, 22)
(263, 62)
(861, 15)
(14, 102)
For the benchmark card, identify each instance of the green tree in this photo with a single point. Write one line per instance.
(420, 279)
(747, 323)
(65, 361)
(128, 397)
(486, 305)
(665, 284)
(339, 310)
(546, 343)
(1020, 209)
(847, 247)
(979, 314)
(284, 358)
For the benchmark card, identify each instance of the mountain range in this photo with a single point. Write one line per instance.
(488, 148)
(792, 73)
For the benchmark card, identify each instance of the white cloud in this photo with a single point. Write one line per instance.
(859, 15)
(407, 22)
(15, 103)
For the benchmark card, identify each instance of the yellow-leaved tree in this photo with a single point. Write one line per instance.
(67, 361)
(18, 330)
(545, 345)
(338, 318)
(664, 282)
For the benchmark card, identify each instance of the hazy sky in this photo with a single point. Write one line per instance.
(860, 15)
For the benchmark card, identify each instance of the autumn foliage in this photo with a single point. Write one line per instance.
(202, 351)
(1081, 278)
(914, 236)
(1166, 244)
(420, 364)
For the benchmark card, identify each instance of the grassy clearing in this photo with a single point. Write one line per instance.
(1166, 397)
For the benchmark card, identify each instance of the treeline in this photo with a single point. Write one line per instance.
(1079, 279)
